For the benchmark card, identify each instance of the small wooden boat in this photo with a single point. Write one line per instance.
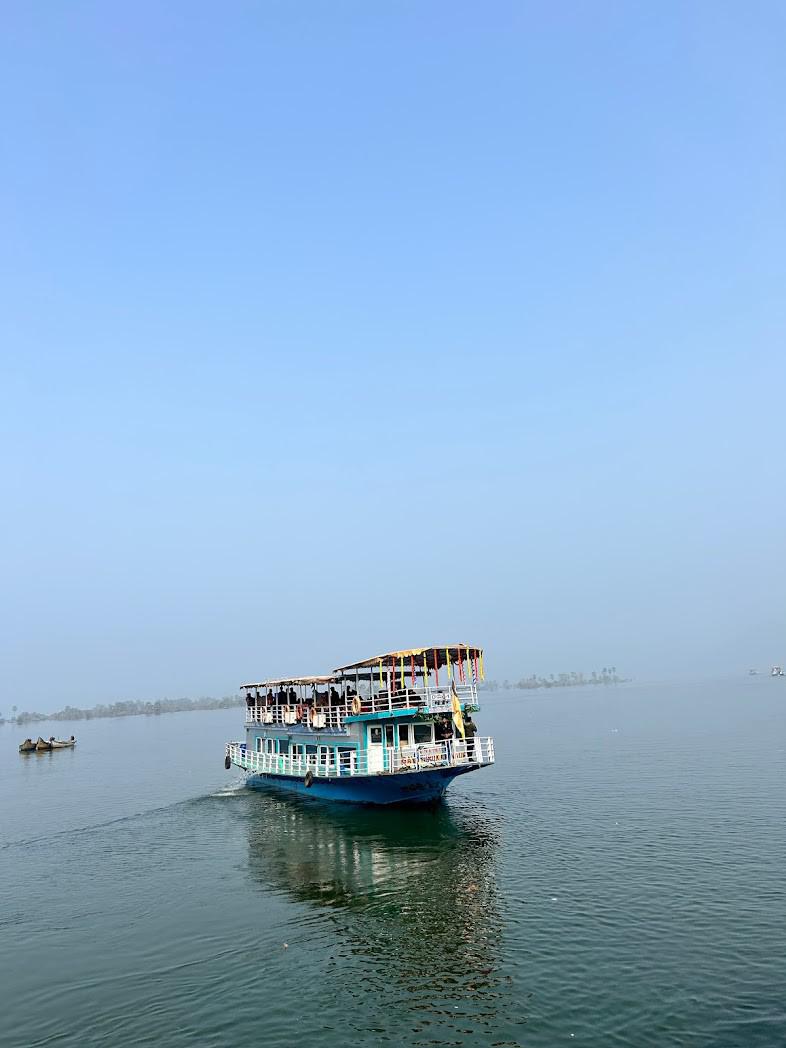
(28, 746)
(63, 744)
(42, 745)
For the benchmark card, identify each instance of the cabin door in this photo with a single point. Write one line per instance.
(376, 753)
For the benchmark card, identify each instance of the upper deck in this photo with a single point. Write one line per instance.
(321, 715)
(400, 683)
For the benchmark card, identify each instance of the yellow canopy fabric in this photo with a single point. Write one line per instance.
(435, 656)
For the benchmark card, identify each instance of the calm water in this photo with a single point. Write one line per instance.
(617, 879)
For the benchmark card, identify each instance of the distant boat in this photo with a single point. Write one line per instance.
(776, 671)
(45, 745)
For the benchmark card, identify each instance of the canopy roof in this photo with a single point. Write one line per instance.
(280, 682)
(436, 657)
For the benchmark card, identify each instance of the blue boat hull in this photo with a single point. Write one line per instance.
(426, 787)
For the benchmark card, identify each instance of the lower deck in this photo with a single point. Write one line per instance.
(345, 761)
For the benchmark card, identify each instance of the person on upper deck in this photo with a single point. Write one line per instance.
(292, 696)
(334, 697)
(281, 696)
(269, 697)
(250, 700)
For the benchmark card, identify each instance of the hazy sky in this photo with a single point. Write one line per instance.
(329, 328)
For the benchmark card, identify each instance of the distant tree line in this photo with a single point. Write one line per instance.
(126, 708)
(608, 675)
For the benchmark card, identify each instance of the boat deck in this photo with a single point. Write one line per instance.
(453, 753)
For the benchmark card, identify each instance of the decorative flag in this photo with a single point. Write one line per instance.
(482, 670)
(425, 671)
(475, 666)
(412, 668)
(380, 673)
(461, 666)
(447, 659)
(458, 716)
(401, 670)
(436, 668)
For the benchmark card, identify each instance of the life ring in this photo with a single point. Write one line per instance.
(300, 713)
(308, 779)
(227, 762)
(356, 705)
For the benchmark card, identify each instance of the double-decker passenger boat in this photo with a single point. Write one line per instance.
(393, 729)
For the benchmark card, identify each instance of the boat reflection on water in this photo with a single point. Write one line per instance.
(412, 897)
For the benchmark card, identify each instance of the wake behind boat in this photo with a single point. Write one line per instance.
(380, 731)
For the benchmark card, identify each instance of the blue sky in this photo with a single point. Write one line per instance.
(329, 328)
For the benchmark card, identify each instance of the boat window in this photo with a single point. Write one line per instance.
(422, 732)
(327, 756)
(390, 735)
(346, 758)
(270, 745)
(375, 734)
(259, 744)
(283, 745)
(403, 735)
(297, 751)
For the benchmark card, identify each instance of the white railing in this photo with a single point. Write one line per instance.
(389, 760)
(318, 718)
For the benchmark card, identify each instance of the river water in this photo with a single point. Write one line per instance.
(618, 878)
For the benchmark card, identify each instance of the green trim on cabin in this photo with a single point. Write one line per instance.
(383, 715)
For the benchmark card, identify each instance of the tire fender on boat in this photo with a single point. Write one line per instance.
(308, 779)
(227, 762)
